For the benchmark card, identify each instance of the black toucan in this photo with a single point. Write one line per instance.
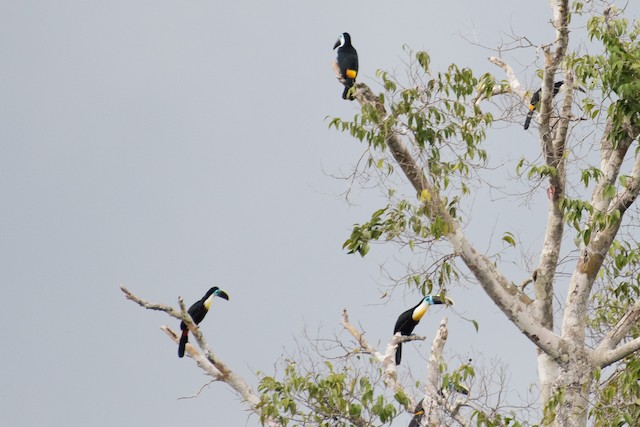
(197, 312)
(535, 99)
(418, 413)
(347, 62)
(410, 318)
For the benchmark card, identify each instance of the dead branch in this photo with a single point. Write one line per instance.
(336, 68)
(197, 393)
(514, 83)
(208, 362)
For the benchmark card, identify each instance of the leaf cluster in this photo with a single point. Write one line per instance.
(618, 401)
(435, 111)
(616, 71)
(334, 398)
(393, 221)
(619, 287)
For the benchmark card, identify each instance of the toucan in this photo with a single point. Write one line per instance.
(347, 63)
(535, 99)
(410, 318)
(197, 312)
(418, 412)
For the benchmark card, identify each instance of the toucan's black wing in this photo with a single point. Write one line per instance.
(197, 312)
(348, 60)
(405, 325)
(348, 64)
(533, 104)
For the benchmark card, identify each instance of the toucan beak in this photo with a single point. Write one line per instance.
(337, 44)
(437, 299)
(222, 294)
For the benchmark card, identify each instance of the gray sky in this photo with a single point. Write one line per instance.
(173, 145)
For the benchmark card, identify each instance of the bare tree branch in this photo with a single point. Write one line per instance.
(197, 393)
(192, 351)
(626, 197)
(150, 306)
(552, 63)
(514, 84)
(619, 353)
(606, 352)
(611, 158)
(208, 362)
(432, 384)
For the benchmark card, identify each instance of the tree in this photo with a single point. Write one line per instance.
(432, 132)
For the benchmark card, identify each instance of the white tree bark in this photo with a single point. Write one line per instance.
(432, 416)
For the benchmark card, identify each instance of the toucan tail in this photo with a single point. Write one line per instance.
(184, 338)
(348, 85)
(528, 120)
(398, 353)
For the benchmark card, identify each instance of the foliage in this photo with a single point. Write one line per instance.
(619, 287)
(616, 72)
(435, 112)
(618, 402)
(333, 398)
(444, 131)
(618, 397)
(496, 420)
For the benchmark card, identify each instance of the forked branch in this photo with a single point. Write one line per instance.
(208, 362)
(609, 351)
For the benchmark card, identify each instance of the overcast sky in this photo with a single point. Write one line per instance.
(174, 145)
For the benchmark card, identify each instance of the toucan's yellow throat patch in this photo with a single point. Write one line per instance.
(351, 74)
(208, 302)
(419, 311)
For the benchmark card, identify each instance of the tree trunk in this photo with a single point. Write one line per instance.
(570, 394)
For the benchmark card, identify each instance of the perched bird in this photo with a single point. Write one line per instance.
(197, 312)
(535, 99)
(347, 60)
(418, 412)
(410, 318)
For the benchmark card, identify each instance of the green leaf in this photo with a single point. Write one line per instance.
(423, 60)
(609, 191)
(355, 410)
(508, 237)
